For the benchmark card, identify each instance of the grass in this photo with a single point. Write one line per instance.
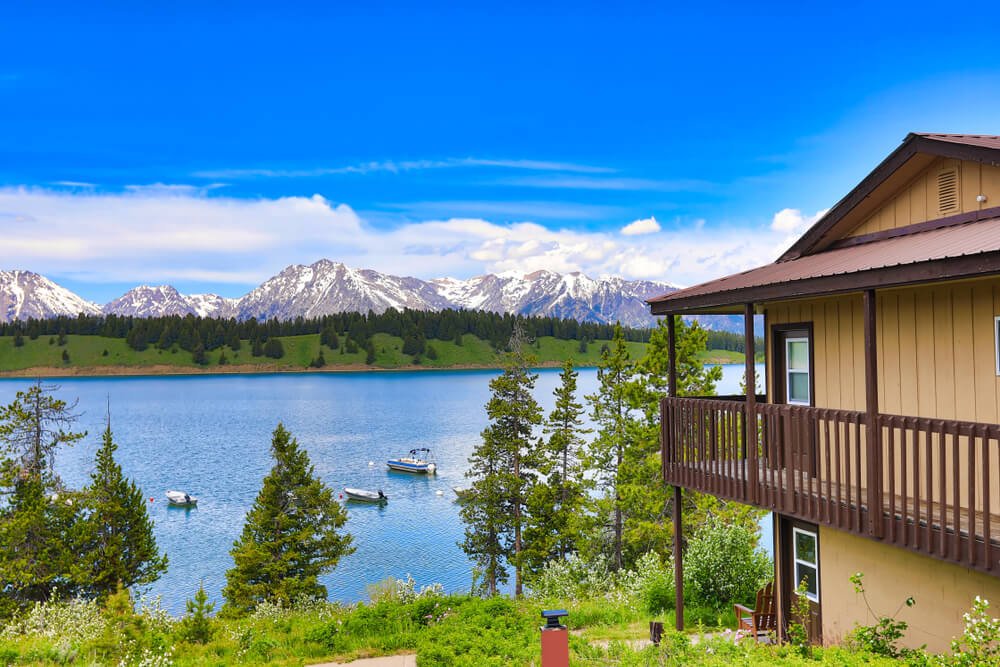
(93, 353)
(440, 630)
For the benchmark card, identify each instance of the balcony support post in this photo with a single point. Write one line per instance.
(750, 418)
(678, 563)
(672, 356)
(874, 432)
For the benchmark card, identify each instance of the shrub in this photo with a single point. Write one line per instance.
(391, 589)
(980, 642)
(881, 638)
(69, 623)
(723, 565)
(575, 579)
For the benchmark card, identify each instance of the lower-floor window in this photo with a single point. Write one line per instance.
(805, 553)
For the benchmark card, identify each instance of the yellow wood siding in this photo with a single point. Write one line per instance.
(936, 350)
(942, 591)
(918, 200)
(936, 358)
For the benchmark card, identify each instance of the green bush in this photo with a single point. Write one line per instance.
(723, 565)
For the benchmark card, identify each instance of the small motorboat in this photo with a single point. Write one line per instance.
(418, 461)
(181, 499)
(461, 491)
(366, 496)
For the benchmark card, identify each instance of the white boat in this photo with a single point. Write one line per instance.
(366, 496)
(461, 491)
(181, 499)
(418, 462)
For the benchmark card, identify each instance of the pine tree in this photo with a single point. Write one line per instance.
(502, 468)
(18, 340)
(65, 356)
(558, 504)
(116, 545)
(274, 349)
(612, 413)
(290, 536)
(32, 428)
(38, 516)
(198, 355)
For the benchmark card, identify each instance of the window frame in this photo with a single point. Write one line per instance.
(996, 341)
(807, 372)
(796, 561)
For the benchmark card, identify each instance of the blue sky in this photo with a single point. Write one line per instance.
(209, 147)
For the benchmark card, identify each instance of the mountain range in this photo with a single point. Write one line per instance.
(327, 287)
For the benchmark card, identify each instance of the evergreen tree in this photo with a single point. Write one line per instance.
(370, 353)
(612, 413)
(18, 340)
(196, 626)
(32, 428)
(65, 356)
(274, 349)
(116, 546)
(223, 360)
(290, 536)
(198, 355)
(38, 517)
(36, 530)
(502, 468)
(257, 348)
(558, 504)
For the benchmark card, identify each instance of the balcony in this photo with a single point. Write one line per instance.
(929, 485)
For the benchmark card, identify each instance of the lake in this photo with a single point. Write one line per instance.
(210, 436)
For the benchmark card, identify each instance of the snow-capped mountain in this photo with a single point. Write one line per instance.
(327, 287)
(25, 295)
(147, 301)
(330, 287)
(569, 296)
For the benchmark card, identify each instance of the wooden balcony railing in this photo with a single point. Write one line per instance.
(935, 483)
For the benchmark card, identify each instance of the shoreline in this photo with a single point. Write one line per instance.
(240, 369)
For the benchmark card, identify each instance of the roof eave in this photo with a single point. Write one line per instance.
(912, 145)
(951, 268)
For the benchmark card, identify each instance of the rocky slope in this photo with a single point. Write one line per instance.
(25, 295)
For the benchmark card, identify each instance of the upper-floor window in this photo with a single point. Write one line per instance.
(797, 370)
(996, 336)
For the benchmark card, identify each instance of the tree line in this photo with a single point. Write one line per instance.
(415, 327)
(544, 488)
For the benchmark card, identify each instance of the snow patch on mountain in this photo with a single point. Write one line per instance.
(164, 300)
(25, 295)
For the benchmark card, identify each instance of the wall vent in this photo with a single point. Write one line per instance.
(948, 191)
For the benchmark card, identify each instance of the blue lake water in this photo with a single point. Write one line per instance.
(210, 436)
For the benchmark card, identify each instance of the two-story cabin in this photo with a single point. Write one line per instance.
(877, 443)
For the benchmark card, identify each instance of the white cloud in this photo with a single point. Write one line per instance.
(644, 226)
(790, 220)
(398, 166)
(155, 236)
(615, 183)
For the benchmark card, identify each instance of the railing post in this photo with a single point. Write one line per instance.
(873, 429)
(750, 416)
(678, 563)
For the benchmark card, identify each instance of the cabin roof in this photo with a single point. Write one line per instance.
(951, 252)
(823, 261)
(916, 152)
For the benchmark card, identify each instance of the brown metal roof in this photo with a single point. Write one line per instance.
(789, 279)
(984, 140)
(915, 153)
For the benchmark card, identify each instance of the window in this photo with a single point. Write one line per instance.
(805, 553)
(996, 335)
(797, 370)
